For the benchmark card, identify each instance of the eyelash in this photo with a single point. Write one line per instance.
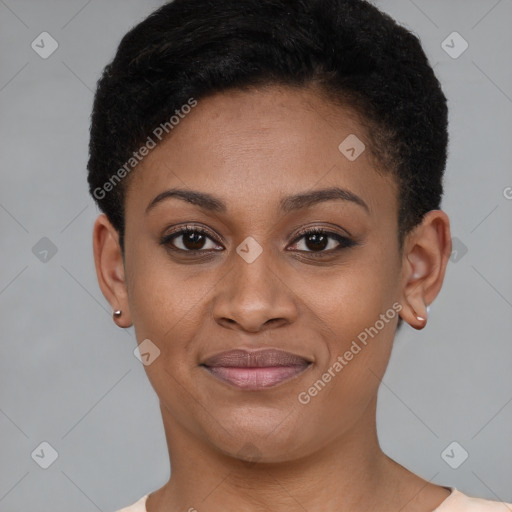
(345, 243)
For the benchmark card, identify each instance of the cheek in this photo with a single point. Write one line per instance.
(353, 312)
(163, 306)
(155, 289)
(168, 305)
(343, 386)
(352, 296)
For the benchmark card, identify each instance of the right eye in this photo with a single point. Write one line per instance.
(193, 240)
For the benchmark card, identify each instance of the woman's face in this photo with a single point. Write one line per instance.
(255, 281)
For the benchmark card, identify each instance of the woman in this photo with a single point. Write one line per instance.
(270, 176)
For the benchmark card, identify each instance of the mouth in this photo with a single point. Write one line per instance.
(253, 370)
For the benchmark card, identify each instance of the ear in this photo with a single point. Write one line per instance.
(109, 263)
(426, 254)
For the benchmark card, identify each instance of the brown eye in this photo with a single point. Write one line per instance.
(189, 240)
(193, 241)
(317, 240)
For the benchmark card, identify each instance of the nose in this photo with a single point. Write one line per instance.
(255, 296)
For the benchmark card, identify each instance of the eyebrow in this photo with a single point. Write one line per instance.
(287, 204)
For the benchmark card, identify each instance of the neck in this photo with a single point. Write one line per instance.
(348, 473)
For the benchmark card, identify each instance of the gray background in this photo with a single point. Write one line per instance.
(68, 375)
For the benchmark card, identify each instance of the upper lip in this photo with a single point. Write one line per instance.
(240, 358)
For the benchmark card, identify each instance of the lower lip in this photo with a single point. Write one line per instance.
(256, 378)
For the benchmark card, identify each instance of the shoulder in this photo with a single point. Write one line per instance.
(139, 506)
(460, 502)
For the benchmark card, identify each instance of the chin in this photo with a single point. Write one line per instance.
(261, 440)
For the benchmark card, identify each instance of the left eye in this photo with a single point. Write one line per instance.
(318, 240)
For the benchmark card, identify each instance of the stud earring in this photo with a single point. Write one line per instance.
(117, 313)
(422, 318)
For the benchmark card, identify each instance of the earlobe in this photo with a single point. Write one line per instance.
(426, 254)
(415, 299)
(414, 310)
(418, 311)
(109, 265)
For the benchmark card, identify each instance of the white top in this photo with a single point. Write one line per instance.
(456, 502)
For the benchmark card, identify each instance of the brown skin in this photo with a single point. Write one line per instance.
(250, 149)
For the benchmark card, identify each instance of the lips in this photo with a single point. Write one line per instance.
(255, 369)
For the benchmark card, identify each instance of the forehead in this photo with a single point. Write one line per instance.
(254, 147)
